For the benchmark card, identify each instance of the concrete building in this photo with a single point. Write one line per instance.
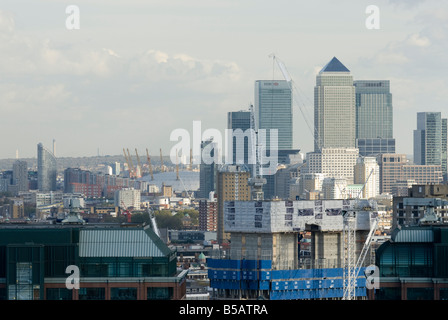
(127, 198)
(409, 209)
(232, 184)
(333, 162)
(367, 171)
(264, 260)
(46, 169)
(208, 214)
(334, 188)
(334, 107)
(396, 173)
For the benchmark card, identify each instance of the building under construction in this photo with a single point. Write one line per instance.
(264, 260)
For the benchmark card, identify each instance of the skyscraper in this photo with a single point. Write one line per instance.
(334, 107)
(20, 175)
(207, 171)
(430, 139)
(239, 120)
(46, 169)
(273, 110)
(374, 117)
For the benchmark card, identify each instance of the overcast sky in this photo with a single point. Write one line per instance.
(136, 70)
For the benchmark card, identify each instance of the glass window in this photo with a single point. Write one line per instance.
(58, 294)
(160, 293)
(92, 293)
(388, 294)
(420, 294)
(123, 293)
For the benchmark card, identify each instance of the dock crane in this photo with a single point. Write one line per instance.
(128, 162)
(162, 169)
(149, 164)
(134, 173)
(177, 167)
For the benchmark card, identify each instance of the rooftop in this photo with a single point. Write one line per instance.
(334, 66)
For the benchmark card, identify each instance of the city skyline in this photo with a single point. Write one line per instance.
(111, 85)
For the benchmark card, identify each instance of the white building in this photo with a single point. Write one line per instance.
(333, 162)
(363, 171)
(126, 198)
(334, 188)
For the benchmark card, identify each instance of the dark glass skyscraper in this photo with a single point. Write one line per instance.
(239, 120)
(374, 117)
(430, 140)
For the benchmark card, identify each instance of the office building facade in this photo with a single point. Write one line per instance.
(273, 110)
(374, 114)
(240, 149)
(334, 107)
(207, 171)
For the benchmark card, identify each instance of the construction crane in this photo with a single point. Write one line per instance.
(149, 164)
(139, 168)
(256, 181)
(352, 266)
(161, 161)
(126, 212)
(153, 221)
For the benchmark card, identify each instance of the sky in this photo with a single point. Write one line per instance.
(137, 70)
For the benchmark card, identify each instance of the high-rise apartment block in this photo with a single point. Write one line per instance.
(334, 107)
(232, 183)
(46, 169)
(126, 198)
(20, 175)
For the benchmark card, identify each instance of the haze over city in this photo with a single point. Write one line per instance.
(136, 71)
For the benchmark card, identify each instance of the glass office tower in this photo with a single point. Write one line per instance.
(428, 138)
(374, 117)
(273, 110)
(46, 169)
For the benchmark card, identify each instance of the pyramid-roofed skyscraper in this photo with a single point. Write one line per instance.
(334, 107)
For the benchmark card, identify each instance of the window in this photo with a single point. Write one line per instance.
(123, 293)
(92, 293)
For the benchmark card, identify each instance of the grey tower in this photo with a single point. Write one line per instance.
(46, 169)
